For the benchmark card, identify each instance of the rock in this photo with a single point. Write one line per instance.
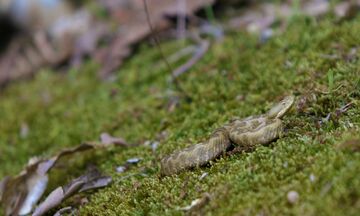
(292, 197)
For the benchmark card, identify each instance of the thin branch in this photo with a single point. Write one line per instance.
(199, 53)
(182, 53)
(174, 79)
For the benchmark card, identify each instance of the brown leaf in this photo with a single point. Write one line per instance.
(20, 193)
(49, 40)
(347, 9)
(316, 7)
(261, 16)
(134, 27)
(107, 139)
(50, 202)
(91, 180)
(62, 211)
(130, 16)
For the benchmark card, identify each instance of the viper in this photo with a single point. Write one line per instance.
(248, 132)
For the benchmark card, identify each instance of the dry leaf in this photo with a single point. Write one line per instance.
(23, 191)
(49, 40)
(75, 33)
(93, 179)
(261, 16)
(316, 7)
(197, 204)
(63, 211)
(51, 201)
(107, 139)
(133, 160)
(134, 27)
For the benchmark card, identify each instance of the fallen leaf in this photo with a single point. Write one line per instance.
(347, 9)
(51, 201)
(203, 176)
(107, 139)
(93, 179)
(77, 33)
(64, 210)
(96, 183)
(197, 203)
(23, 191)
(259, 17)
(133, 160)
(120, 169)
(49, 40)
(134, 27)
(316, 7)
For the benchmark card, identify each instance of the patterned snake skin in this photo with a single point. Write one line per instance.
(251, 131)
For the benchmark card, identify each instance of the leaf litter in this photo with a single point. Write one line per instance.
(93, 179)
(262, 16)
(19, 194)
(77, 32)
(107, 139)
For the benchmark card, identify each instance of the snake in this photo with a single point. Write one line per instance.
(248, 132)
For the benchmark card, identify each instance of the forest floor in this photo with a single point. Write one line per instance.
(319, 158)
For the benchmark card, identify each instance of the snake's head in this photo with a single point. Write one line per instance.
(281, 108)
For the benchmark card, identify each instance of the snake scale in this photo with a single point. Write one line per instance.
(248, 132)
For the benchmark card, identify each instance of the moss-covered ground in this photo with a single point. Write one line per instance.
(319, 157)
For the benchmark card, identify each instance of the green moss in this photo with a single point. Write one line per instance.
(238, 77)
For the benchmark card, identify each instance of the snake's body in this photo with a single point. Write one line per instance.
(248, 132)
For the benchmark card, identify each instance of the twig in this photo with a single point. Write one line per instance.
(174, 79)
(203, 47)
(181, 19)
(337, 112)
(215, 31)
(331, 91)
(344, 108)
(181, 53)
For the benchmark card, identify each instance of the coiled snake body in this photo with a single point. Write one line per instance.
(248, 132)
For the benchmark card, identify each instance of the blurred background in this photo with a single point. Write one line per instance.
(57, 33)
